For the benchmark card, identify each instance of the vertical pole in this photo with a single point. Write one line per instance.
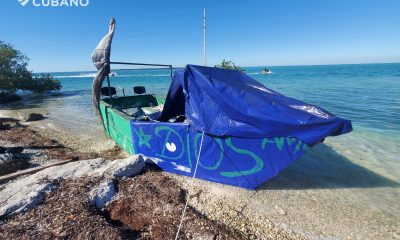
(170, 72)
(109, 89)
(204, 37)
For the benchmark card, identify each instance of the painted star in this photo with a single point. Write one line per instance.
(143, 138)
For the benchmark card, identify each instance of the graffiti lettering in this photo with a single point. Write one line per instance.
(168, 131)
(257, 167)
(183, 144)
(279, 141)
(221, 153)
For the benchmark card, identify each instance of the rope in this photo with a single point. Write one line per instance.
(191, 185)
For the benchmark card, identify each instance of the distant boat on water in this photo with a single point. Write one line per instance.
(266, 71)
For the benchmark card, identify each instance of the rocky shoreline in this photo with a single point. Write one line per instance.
(62, 202)
(306, 201)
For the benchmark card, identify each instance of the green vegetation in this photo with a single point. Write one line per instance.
(15, 76)
(229, 65)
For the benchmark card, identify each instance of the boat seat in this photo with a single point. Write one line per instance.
(139, 90)
(105, 91)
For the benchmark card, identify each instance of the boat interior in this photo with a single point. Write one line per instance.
(140, 106)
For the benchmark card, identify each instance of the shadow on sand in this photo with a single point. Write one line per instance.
(324, 168)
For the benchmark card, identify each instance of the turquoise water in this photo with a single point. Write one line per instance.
(367, 94)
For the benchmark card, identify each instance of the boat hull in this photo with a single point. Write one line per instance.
(241, 162)
(174, 147)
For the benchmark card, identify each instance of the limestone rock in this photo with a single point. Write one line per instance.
(33, 117)
(102, 195)
(27, 192)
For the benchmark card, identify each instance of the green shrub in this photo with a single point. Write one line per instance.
(14, 74)
(44, 83)
(229, 65)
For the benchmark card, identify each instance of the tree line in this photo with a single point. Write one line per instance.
(15, 76)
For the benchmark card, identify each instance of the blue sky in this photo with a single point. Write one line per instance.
(251, 33)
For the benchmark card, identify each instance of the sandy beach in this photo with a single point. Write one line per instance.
(323, 195)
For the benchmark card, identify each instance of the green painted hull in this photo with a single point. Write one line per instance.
(117, 124)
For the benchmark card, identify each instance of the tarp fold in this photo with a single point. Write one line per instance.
(225, 102)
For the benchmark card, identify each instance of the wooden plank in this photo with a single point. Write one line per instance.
(32, 170)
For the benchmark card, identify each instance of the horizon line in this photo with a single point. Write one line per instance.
(294, 65)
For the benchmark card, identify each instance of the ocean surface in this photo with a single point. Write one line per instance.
(366, 94)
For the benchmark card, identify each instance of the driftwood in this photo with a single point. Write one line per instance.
(32, 170)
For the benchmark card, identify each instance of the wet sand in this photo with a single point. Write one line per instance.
(69, 133)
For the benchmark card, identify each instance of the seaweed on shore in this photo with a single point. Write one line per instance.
(148, 206)
(152, 204)
(64, 214)
(40, 150)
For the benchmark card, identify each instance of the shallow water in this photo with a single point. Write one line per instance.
(367, 94)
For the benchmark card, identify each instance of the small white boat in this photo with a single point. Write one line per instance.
(113, 74)
(266, 71)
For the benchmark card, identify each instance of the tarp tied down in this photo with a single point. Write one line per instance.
(224, 102)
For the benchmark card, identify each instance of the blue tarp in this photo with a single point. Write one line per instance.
(224, 102)
(242, 162)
